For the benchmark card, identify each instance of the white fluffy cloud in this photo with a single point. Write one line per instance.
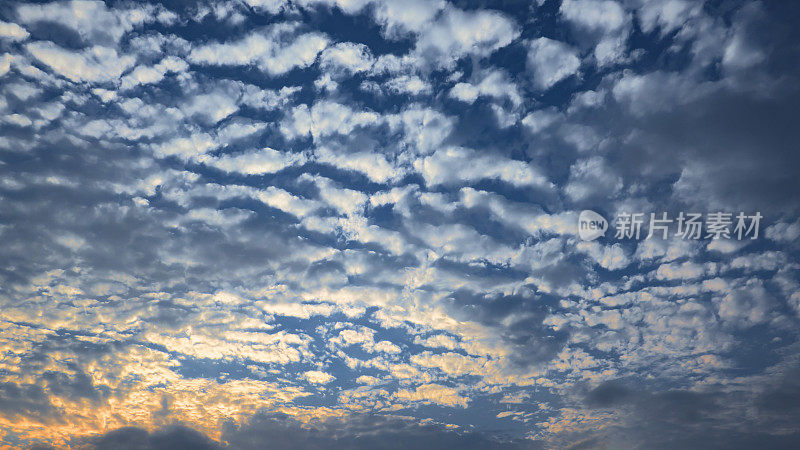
(213, 106)
(494, 83)
(325, 118)
(347, 58)
(153, 74)
(408, 84)
(456, 165)
(275, 50)
(551, 61)
(372, 165)
(95, 64)
(433, 393)
(91, 19)
(408, 16)
(610, 257)
(318, 377)
(12, 32)
(604, 15)
(539, 120)
(667, 15)
(605, 23)
(254, 162)
(592, 178)
(457, 33)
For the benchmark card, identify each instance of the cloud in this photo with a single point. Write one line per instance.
(592, 178)
(460, 166)
(605, 25)
(667, 16)
(150, 75)
(608, 257)
(405, 84)
(325, 118)
(92, 20)
(276, 50)
(213, 106)
(372, 165)
(317, 377)
(539, 120)
(25, 401)
(187, 148)
(457, 33)
(684, 271)
(347, 58)
(784, 232)
(95, 65)
(170, 437)
(607, 15)
(747, 306)
(254, 162)
(434, 393)
(5, 64)
(665, 419)
(271, 6)
(409, 17)
(347, 6)
(742, 51)
(352, 224)
(656, 91)
(551, 61)
(357, 431)
(494, 84)
(12, 32)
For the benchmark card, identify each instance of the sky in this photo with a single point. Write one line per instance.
(357, 224)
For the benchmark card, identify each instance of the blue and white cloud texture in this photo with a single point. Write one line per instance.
(353, 224)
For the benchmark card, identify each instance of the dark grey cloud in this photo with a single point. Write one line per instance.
(132, 438)
(26, 401)
(357, 432)
(518, 320)
(694, 420)
(281, 432)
